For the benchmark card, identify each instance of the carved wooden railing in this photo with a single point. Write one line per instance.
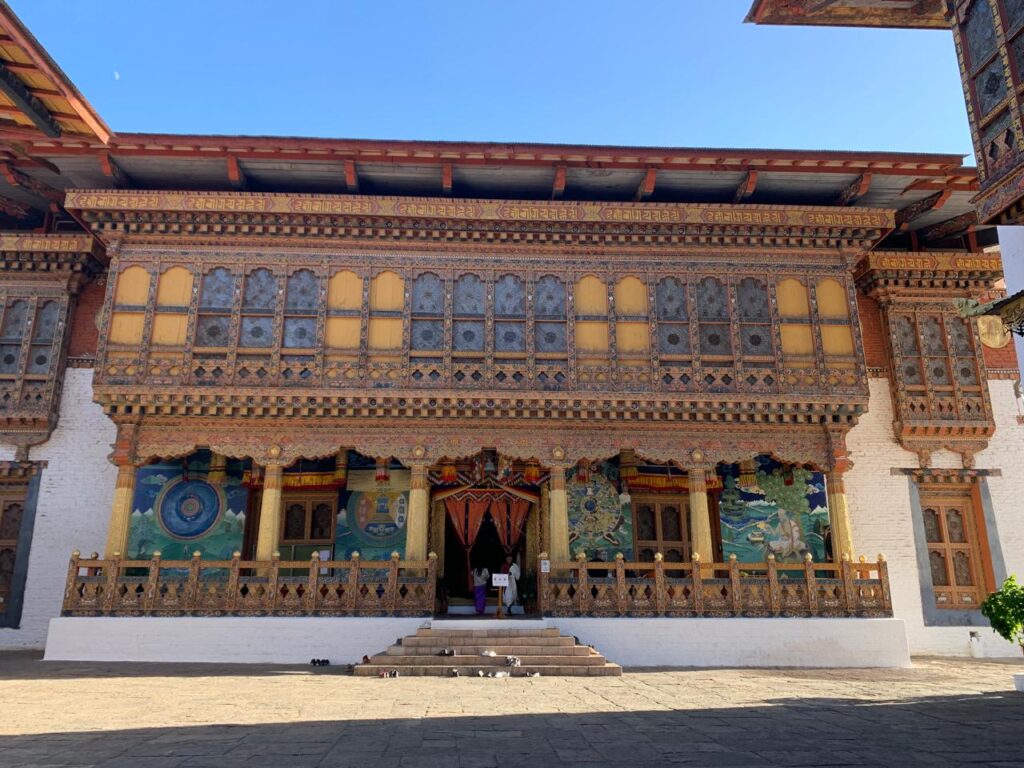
(236, 587)
(766, 589)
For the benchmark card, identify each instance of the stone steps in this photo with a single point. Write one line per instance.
(439, 670)
(541, 650)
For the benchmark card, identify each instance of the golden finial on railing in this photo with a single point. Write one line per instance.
(432, 556)
(94, 556)
(732, 558)
(619, 556)
(236, 554)
(158, 553)
(658, 557)
(771, 557)
(197, 554)
(695, 557)
(846, 557)
(581, 556)
(76, 553)
(881, 557)
(395, 556)
(863, 559)
(808, 558)
(315, 555)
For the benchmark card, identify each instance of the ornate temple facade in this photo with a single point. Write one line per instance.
(258, 377)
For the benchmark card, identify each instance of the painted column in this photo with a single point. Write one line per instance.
(218, 473)
(269, 532)
(558, 506)
(121, 511)
(839, 516)
(416, 524)
(700, 516)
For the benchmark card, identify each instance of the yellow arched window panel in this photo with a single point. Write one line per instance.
(126, 328)
(385, 333)
(169, 329)
(345, 291)
(591, 338)
(132, 287)
(387, 292)
(832, 303)
(797, 342)
(632, 338)
(174, 289)
(793, 301)
(591, 296)
(343, 332)
(837, 340)
(630, 297)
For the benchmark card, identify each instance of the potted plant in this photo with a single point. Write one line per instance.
(1004, 610)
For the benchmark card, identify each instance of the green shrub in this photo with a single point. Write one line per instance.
(1004, 610)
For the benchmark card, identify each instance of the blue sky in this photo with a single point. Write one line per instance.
(663, 72)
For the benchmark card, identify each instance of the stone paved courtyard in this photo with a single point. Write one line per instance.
(942, 712)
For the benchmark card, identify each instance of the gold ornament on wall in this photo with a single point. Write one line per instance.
(993, 333)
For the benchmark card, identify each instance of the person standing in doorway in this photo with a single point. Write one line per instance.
(481, 579)
(511, 595)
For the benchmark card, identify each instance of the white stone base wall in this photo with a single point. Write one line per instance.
(225, 640)
(631, 642)
(75, 495)
(881, 515)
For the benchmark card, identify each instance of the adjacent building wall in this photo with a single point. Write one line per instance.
(75, 495)
(881, 509)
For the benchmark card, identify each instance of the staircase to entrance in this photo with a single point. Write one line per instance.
(540, 649)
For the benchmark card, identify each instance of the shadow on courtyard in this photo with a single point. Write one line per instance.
(981, 729)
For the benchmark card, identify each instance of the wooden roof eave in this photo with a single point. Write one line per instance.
(41, 62)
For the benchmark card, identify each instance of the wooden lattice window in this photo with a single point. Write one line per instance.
(673, 322)
(713, 329)
(308, 519)
(301, 305)
(343, 328)
(509, 317)
(216, 300)
(173, 297)
(468, 313)
(954, 550)
(12, 511)
(661, 524)
(427, 323)
(755, 318)
(549, 318)
(259, 301)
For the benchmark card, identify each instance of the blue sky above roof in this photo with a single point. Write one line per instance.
(655, 73)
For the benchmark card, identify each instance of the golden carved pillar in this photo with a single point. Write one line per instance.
(416, 524)
(558, 515)
(218, 469)
(839, 516)
(700, 516)
(121, 511)
(269, 532)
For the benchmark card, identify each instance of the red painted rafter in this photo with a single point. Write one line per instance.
(646, 188)
(446, 178)
(746, 188)
(558, 185)
(857, 189)
(236, 176)
(113, 171)
(351, 177)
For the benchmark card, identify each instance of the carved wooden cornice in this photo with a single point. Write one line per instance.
(885, 274)
(31, 258)
(578, 407)
(420, 441)
(158, 216)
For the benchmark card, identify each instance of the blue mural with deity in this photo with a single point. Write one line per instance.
(600, 518)
(768, 507)
(372, 516)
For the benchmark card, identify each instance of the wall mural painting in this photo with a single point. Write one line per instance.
(176, 511)
(767, 507)
(372, 516)
(600, 519)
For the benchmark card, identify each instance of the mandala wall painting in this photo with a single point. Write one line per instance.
(600, 524)
(372, 518)
(189, 509)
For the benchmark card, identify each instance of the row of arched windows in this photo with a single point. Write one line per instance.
(707, 317)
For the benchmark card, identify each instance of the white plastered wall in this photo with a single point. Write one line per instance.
(880, 510)
(75, 495)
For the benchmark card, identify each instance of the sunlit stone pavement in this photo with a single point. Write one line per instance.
(942, 712)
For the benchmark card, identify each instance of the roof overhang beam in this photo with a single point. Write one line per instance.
(113, 171)
(646, 188)
(855, 191)
(14, 89)
(746, 187)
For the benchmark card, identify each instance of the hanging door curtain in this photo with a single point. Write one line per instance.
(467, 507)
